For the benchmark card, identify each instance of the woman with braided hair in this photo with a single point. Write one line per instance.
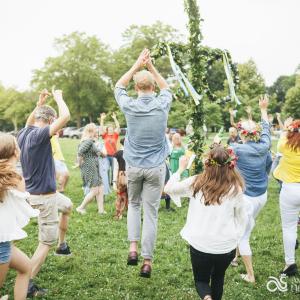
(216, 217)
(288, 172)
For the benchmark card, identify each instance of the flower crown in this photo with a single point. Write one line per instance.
(231, 160)
(253, 135)
(294, 127)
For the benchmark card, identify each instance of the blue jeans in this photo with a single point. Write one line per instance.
(5, 252)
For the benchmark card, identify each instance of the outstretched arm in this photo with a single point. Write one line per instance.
(42, 100)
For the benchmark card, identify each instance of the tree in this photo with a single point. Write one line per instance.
(15, 106)
(279, 89)
(291, 106)
(82, 72)
(251, 86)
(213, 116)
(136, 38)
(179, 115)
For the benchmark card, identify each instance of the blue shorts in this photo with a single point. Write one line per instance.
(5, 252)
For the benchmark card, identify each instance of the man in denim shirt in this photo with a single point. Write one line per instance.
(254, 163)
(145, 151)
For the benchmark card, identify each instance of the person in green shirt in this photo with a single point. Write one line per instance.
(178, 150)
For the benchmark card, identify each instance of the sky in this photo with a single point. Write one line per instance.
(268, 31)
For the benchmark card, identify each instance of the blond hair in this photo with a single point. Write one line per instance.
(88, 131)
(144, 80)
(8, 176)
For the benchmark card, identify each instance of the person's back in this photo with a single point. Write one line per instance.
(145, 151)
(36, 159)
(216, 218)
(146, 118)
(253, 164)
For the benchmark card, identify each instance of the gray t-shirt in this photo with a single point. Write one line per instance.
(36, 159)
(146, 117)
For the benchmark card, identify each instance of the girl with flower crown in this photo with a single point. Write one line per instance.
(254, 163)
(288, 172)
(15, 213)
(216, 217)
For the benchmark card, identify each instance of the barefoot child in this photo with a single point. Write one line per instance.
(121, 183)
(15, 213)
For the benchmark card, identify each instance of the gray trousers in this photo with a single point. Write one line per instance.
(144, 189)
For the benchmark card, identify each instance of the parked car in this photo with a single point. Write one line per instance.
(67, 131)
(76, 133)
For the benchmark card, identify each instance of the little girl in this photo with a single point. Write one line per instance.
(15, 214)
(216, 217)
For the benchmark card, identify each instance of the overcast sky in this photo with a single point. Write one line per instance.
(266, 30)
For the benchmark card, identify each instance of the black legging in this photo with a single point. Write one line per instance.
(210, 268)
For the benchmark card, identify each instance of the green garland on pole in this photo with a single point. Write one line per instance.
(200, 59)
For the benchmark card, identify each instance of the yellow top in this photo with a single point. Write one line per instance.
(56, 150)
(288, 169)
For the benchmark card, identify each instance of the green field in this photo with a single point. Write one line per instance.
(98, 270)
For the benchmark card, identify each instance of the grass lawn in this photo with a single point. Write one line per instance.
(98, 270)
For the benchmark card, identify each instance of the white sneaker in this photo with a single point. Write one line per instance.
(81, 210)
(4, 297)
(102, 212)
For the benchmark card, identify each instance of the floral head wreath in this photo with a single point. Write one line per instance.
(231, 160)
(294, 127)
(252, 135)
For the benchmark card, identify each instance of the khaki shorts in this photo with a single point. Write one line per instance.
(49, 206)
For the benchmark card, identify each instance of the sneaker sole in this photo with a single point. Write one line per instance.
(66, 255)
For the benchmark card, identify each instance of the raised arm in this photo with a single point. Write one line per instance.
(161, 82)
(42, 100)
(140, 62)
(231, 113)
(102, 127)
(63, 113)
(117, 124)
(280, 123)
(263, 105)
(249, 112)
(265, 136)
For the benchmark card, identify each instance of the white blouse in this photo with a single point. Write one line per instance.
(15, 214)
(214, 229)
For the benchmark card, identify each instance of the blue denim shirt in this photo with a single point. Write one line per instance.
(147, 116)
(254, 162)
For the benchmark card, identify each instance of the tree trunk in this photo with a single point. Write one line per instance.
(78, 119)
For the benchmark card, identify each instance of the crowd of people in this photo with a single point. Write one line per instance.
(150, 164)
